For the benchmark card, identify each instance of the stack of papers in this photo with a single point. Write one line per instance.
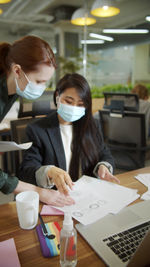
(95, 198)
(145, 179)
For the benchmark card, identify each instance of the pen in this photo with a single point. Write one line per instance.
(45, 232)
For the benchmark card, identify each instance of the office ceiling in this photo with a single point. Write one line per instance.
(44, 18)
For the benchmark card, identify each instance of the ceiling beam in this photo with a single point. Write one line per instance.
(11, 8)
(21, 22)
(18, 6)
(43, 5)
(21, 7)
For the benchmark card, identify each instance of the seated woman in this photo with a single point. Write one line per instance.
(67, 143)
(144, 104)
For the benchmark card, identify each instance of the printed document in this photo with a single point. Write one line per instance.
(95, 198)
(6, 146)
(144, 179)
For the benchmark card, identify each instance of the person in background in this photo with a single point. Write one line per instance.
(68, 142)
(144, 104)
(25, 67)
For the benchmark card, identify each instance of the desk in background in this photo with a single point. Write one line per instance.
(27, 243)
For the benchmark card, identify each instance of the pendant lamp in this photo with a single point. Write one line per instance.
(81, 17)
(147, 18)
(4, 1)
(104, 8)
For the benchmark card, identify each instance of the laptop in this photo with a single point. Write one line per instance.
(122, 239)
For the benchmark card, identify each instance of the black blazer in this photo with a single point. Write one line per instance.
(47, 148)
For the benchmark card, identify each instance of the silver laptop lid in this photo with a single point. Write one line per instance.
(110, 225)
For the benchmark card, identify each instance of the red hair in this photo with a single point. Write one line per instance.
(141, 91)
(28, 52)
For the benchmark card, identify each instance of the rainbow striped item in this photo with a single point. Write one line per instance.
(49, 247)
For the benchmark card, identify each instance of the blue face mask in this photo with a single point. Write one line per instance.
(70, 113)
(31, 91)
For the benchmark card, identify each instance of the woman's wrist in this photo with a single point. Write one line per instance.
(49, 176)
(106, 164)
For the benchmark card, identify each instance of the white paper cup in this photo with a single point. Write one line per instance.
(27, 204)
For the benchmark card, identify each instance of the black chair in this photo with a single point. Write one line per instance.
(121, 101)
(6, 158)
(40, 106)
(124, 132)
(18, 128)
(126, 138)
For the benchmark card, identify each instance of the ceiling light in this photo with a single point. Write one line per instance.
(4, 1)
(125, 31)
(92, 41)
(102, 37)
(147, 18)
(104, 8)
(81, 17)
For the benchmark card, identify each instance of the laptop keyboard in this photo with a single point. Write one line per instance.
(125, 243)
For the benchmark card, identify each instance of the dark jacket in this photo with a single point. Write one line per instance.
(7, 182)
(6, 101)
(47, 148)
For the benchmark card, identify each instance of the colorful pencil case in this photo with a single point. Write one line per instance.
(49, 247)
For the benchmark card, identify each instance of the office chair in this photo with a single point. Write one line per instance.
(18, 128)
(126, 101)
(124, 133)
(40, 106)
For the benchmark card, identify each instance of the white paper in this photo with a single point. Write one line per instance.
(145, 179)
(95, 198)
(11, 115)
(6, 146)
(146, 195)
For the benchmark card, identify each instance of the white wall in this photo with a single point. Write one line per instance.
(112, 66)
(141, 64)
(120, 65)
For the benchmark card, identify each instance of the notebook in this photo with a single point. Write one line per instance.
(122, 239)
(8, 254)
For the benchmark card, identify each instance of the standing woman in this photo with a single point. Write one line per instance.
(25, 67)
(67, 143)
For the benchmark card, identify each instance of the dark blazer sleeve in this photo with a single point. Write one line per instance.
(46, 149)
(8, 183)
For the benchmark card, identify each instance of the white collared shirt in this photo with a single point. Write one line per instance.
(66, 134)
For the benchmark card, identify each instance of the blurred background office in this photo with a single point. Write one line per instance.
(107, 41)
(111, 58)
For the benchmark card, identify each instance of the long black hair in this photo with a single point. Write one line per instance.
(85, 142)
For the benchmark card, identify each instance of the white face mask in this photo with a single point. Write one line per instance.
(70, 113)
(31, 91)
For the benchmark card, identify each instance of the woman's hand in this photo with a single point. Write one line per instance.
(104, 174)
(48, 196)
(55, 198)
(61, 179)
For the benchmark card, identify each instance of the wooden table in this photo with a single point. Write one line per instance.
(27, 243)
